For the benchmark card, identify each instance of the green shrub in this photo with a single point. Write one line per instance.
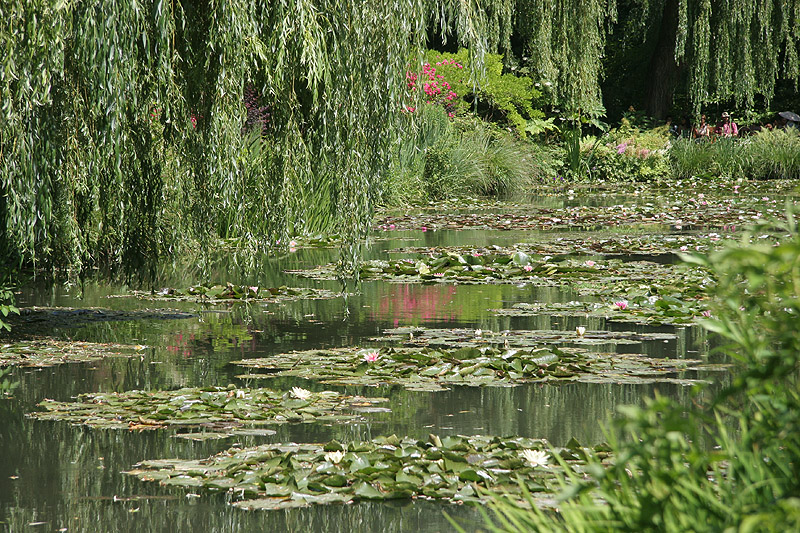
(766, 155)
(775, 154)
(729, 464)
(6, 305)
(440, 158)
(627, 154)
(690, 158)
(503, 98)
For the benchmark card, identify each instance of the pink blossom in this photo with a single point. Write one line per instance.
(392, 226)
(706, 313)
(371, 356)
(423, 228)
(622, 305)
(684, 248)
(621, 148)
(438, 274)
(590, 263)
(527, 268)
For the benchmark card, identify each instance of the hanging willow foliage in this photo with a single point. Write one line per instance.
(124, 131)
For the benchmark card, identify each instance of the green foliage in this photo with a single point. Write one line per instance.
(631, 154)
(766, 155)
(500, 97)
(6, 306)
(440, 159)
(121, 131)
(728, 465)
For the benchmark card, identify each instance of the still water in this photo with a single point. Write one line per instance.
(56, 477)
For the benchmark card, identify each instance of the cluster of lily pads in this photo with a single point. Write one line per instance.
(652, 244)
(676, 214)
(34, 321)
(613, 277)
(453, 468)
(231, 292)
(50, 352)
(638, 309)
(516, 338)
(208, 408)
(433, 369)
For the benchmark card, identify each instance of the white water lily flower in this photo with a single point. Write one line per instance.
(580, 330)
(240, 394)
(302, 394)
(334, 457)
(536, 457)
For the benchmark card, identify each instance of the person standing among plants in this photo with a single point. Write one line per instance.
(701, 131)
(727, 128)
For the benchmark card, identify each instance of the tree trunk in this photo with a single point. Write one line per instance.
(663, 67)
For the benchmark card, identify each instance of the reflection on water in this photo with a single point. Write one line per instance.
(69, 477)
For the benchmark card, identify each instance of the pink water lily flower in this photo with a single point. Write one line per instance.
(527, 268)
(590, 263)
(706, 313)
(371, 356)
(622, 305)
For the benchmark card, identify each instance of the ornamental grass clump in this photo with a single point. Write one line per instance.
(765, 155)
(731, 463)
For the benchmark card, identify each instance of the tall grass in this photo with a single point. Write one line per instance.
(439, 158)
(766, 155)
(725, 465)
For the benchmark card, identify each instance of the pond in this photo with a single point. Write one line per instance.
(56, 476)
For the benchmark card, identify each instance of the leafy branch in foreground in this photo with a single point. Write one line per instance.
(731, 464)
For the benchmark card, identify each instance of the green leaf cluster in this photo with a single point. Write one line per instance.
(451, 468)
(728, 464)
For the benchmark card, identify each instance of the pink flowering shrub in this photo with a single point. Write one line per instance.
(630, 154)
(445, 81)
(433, 80)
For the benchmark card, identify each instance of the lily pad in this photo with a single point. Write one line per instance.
(419, 336)
(51, 352)
(454, 468)
(612, 277)
(212, 409)
(433, 369)
(32, 321)
(639, 309)
(231, 293)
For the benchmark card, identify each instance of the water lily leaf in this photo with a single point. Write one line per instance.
(51, 352)
(227, 409)
(368, 492)
(469, 475)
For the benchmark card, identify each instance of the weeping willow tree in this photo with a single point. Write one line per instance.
(128, 129)
(124, 132)
(713, 51)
